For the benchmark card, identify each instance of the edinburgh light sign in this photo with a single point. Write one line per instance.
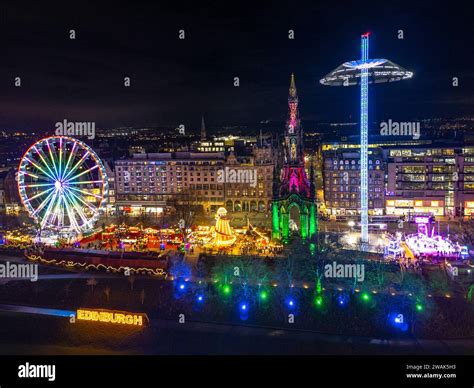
(114, 317)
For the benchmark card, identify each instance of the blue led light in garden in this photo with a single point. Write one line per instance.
(181, 286)
(244, 310)
(291, 302)
(398, 321)
(341, 300)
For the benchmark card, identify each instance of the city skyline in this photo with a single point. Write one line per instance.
(175, 81)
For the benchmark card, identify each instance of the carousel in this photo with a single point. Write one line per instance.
(426, 244)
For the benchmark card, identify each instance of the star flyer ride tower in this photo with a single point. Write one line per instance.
(363, 72)
(292, 187)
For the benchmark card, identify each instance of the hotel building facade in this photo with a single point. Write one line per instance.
(341, 179)
(152, 183)
(439, 181)
(403, 181)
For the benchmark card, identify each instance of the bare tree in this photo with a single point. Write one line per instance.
(186, 210)
(131, 280)
(286, 270)
(144, 219)
(466, 231)
(92, 282)
(439, 282)
(123, 218)
(107, 293)
(375, 275)
(224, 271)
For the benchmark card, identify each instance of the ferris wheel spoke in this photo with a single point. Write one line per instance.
(43, 160)
(77, 165)
(71, 216)
(36, 176)
(43, 204)
(39, 168)
(55, 214)
(38, 195)
(85, 192)
(53, 160)
(60, 156)
(91, 207)
(61, 212)
(57, 153)
(58, 219)
(71, 154)
(84, 172)
(47, 214)
(78, 209)
(29, 185)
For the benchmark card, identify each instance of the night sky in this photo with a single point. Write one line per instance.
(174, 81)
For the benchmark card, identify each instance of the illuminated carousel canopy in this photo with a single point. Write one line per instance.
(379, 71)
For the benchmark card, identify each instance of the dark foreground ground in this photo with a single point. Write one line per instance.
(26, 334)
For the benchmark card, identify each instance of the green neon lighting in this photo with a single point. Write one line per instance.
(226, 289)
(318, 301)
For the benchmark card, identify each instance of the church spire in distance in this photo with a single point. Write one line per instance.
(203, 129)
(293, 86)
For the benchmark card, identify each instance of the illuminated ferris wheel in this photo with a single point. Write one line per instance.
(63, 184)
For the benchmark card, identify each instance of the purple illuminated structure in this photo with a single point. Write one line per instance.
(291, 186)
(423, 222)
